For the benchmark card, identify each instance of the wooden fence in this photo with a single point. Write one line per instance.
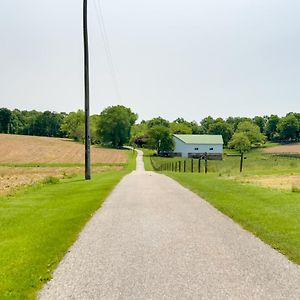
(191, 165)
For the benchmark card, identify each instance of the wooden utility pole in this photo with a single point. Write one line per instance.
(86, 93)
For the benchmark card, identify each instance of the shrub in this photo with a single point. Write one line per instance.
(295, 189)
(50, 180)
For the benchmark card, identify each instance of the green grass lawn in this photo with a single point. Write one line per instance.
(38, 224)
(271, 214)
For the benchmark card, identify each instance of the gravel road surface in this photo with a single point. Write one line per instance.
(154, 239)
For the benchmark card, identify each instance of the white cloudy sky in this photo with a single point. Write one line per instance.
(172, 58)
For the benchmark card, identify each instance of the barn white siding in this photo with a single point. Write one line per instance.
(185, 149)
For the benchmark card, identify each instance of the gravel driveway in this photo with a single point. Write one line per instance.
(154, 239)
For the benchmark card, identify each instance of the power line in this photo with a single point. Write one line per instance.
(107, 49)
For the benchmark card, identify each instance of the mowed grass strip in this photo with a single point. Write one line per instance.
(272, 215)
(39, 224)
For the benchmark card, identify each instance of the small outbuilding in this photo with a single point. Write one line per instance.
(196, 145)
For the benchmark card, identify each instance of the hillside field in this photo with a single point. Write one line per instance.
(25, 160)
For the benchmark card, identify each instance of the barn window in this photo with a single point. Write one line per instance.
(196, 148)
(211, 148)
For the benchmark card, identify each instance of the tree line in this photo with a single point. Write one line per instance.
(116, 126)
(157, 132)
(112, 127)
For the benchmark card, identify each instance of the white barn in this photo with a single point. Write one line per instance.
(196, 145)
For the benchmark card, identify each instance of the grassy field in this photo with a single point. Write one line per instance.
(271, 212)
(256, 165)
(25, 160)
(39, 223)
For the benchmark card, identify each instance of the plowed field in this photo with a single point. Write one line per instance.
(32, 149)
(18, 150)
(292, 148)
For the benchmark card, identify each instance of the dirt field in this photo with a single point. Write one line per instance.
(292, 148)
(17, 149)
(274, 181)
(29, 149)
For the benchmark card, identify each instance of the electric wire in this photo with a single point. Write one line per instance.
(107, 49)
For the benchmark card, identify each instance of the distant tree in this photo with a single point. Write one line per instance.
(235, 121)
(139, 129)
(240, 142)
(252, 131)
(73, 125)
(160, 138)
(139, 134)
(180, 128)
(158, 121)
(115, 124)
(94, 120)
(30, 118)
(289, 128)
(140, 140)
(5, 119)
(48, 124)
(206, 123)
(222, 128)
(181, 121)
(260, 122)
(271, 126)
(17, 123)
(196, 128)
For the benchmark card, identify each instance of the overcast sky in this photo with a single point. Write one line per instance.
(188, 58)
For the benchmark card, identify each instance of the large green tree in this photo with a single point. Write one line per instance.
(158, 121)
(206, 123)
(160, 138)
(180, 128)
(73, 125)
(252, 131)
(271, 126)
(115, 124)
(260, 122)
(48, 124)
(289, 128)
(222, 128)
(240, 142)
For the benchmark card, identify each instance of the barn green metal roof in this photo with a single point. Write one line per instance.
(200, 138)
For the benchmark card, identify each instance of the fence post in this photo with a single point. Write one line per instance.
(192, 165)
(172, 166)
(179, 166)
(241, 162)
(199, 165)
(184, 166)
(205, 163)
